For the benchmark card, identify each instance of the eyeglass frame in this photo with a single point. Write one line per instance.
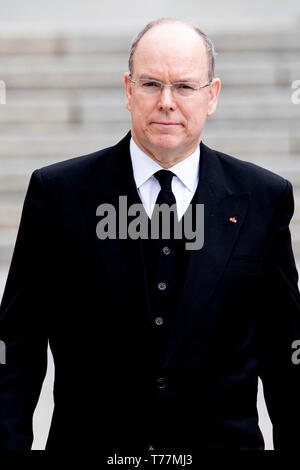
(162, 84)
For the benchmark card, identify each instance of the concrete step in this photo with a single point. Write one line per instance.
(102, 104)
(93, 121)
(73, 62)
(251, 69)
(116, 95)
(265, 114)
(12, 182)
(37, 113)
(61, 140)
(88, 105)
(11, 204)
(15, 173)
(15, 170)
(115, 15)
(7, 242)
(233, 124)
(111, 41)
(295, 235)
(296, 216)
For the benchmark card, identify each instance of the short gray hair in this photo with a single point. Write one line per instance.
(211, 54)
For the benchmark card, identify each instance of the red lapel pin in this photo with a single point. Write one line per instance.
(233, 219)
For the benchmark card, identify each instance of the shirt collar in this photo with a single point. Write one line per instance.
(144, 167)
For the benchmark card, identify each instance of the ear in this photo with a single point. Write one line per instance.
(128, 90)
(214, 91)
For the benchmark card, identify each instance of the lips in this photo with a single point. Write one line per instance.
(162, 123)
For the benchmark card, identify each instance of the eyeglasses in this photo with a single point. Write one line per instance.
(179, 89)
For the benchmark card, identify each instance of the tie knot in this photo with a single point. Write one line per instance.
(164, 177)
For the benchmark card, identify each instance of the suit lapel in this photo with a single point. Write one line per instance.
(206, 265)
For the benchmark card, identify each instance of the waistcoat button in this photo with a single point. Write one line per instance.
(159, 320)
(166, 250)
(161, 382)
(162, 286)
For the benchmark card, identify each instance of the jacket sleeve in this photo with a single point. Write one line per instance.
(24, 320)
(279, 328)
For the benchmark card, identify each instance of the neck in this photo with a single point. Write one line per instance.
(163, 158)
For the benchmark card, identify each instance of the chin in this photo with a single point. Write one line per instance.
(167, 141)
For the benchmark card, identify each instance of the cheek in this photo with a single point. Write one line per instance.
(189, 111)
(196, 115)
(142, 112)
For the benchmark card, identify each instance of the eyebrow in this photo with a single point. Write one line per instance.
(149, 77)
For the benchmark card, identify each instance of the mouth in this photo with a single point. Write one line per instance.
(167, 124)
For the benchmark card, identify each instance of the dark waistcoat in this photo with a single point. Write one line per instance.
(165, 264)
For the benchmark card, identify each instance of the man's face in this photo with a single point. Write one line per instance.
(166, 127)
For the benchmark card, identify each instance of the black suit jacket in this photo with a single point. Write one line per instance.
(238, 315)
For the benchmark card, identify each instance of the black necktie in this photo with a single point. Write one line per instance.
(166, 196)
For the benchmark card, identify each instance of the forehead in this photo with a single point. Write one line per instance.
(171, 49)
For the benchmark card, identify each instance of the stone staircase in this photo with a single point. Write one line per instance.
(64, 98)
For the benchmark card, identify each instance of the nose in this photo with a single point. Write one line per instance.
(166, 99)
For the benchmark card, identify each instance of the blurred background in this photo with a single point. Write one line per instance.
(62, 64)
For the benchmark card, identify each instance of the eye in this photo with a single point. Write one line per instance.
(150, 83)
(184, 86)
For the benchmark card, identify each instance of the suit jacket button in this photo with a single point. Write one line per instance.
(161, 382)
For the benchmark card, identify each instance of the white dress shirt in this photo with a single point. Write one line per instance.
(184, 184)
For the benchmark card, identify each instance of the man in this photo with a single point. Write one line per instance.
(155, 346)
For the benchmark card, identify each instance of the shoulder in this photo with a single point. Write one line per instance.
(86, 169)
(77, 169)
(248, 176)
